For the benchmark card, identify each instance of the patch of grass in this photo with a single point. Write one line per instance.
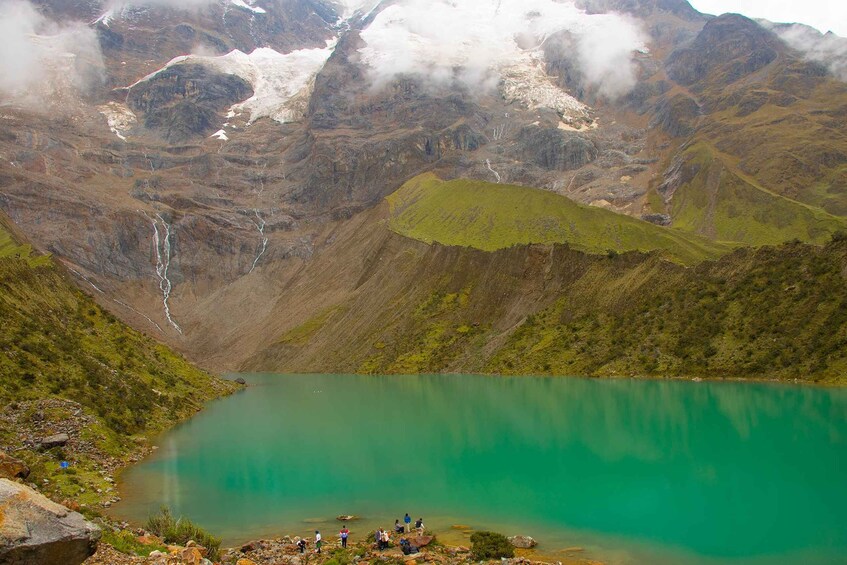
(180, 531)
(125, 542)
(304, 332)
(489, 216)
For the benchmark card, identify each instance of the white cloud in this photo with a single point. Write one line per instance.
(44, 62)
(472, 40)
(829, 49)
(825, 15)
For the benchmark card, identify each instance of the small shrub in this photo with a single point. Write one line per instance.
(180, 531)
(125, 542)
(490, 545)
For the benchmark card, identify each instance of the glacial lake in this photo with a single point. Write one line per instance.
(630, 471)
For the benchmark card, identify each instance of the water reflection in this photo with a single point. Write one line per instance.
(724, 470)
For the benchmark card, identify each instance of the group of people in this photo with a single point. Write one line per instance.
(381, 536)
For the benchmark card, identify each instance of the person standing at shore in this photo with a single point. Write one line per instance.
(318, 541)
(344, 534)
(419, 525)
(408, 521)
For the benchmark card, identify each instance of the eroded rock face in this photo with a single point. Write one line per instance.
(34, 529)
(187, 101)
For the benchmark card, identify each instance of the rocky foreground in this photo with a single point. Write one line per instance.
(284, 551)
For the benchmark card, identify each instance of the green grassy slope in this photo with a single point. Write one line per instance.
(57, 343)
(722, 203)
(490, 216)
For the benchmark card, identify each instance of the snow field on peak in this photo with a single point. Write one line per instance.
(282, 83)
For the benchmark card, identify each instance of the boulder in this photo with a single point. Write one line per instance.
(422, 541)
(35, 529)
(346, 518)
(251, 546)
(244, 562)
(523, 542)
(11, 468)
(57, 440)
(241, 381)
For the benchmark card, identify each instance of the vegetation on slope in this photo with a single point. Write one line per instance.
(61, 353)
(724, 204)
(490, 216)
(774, 313)
(767, 313)
(766, 151)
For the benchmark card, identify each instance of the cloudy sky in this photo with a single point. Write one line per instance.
(825, 15)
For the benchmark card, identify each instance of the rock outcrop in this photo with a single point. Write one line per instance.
(34, 529)
(56, 440)
(523, 542)
(11, 468)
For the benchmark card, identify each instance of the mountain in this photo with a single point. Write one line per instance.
(69, 366)
(230, 174)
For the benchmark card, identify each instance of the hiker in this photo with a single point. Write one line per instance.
(398, 527)
(386, 538)
(419, 525)
(344, 533)
(318, 541)
(301, 545)
(406, 547)
(379, 540)
(408, 521)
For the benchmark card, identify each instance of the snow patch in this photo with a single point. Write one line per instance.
(282, 83)
(220, 134)
(119, 117)
(245, 6)
(526, 82)
(106, 18)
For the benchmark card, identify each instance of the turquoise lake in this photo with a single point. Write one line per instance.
(631, 471)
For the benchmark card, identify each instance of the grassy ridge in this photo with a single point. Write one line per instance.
(57, 343)
(774, 313)
(766, 313)
(490, 216)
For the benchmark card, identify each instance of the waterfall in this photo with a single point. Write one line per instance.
(496, 174)
(263, 245)
(163, 263)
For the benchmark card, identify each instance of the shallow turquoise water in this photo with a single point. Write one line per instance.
(633, 471)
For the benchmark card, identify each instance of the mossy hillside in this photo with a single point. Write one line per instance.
(765, 313)
(722, 203)
(490, 216)
(772, 313)
(794, 141)
(57, 343)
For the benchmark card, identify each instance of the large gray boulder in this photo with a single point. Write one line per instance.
(33, 529)
(57, 440)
